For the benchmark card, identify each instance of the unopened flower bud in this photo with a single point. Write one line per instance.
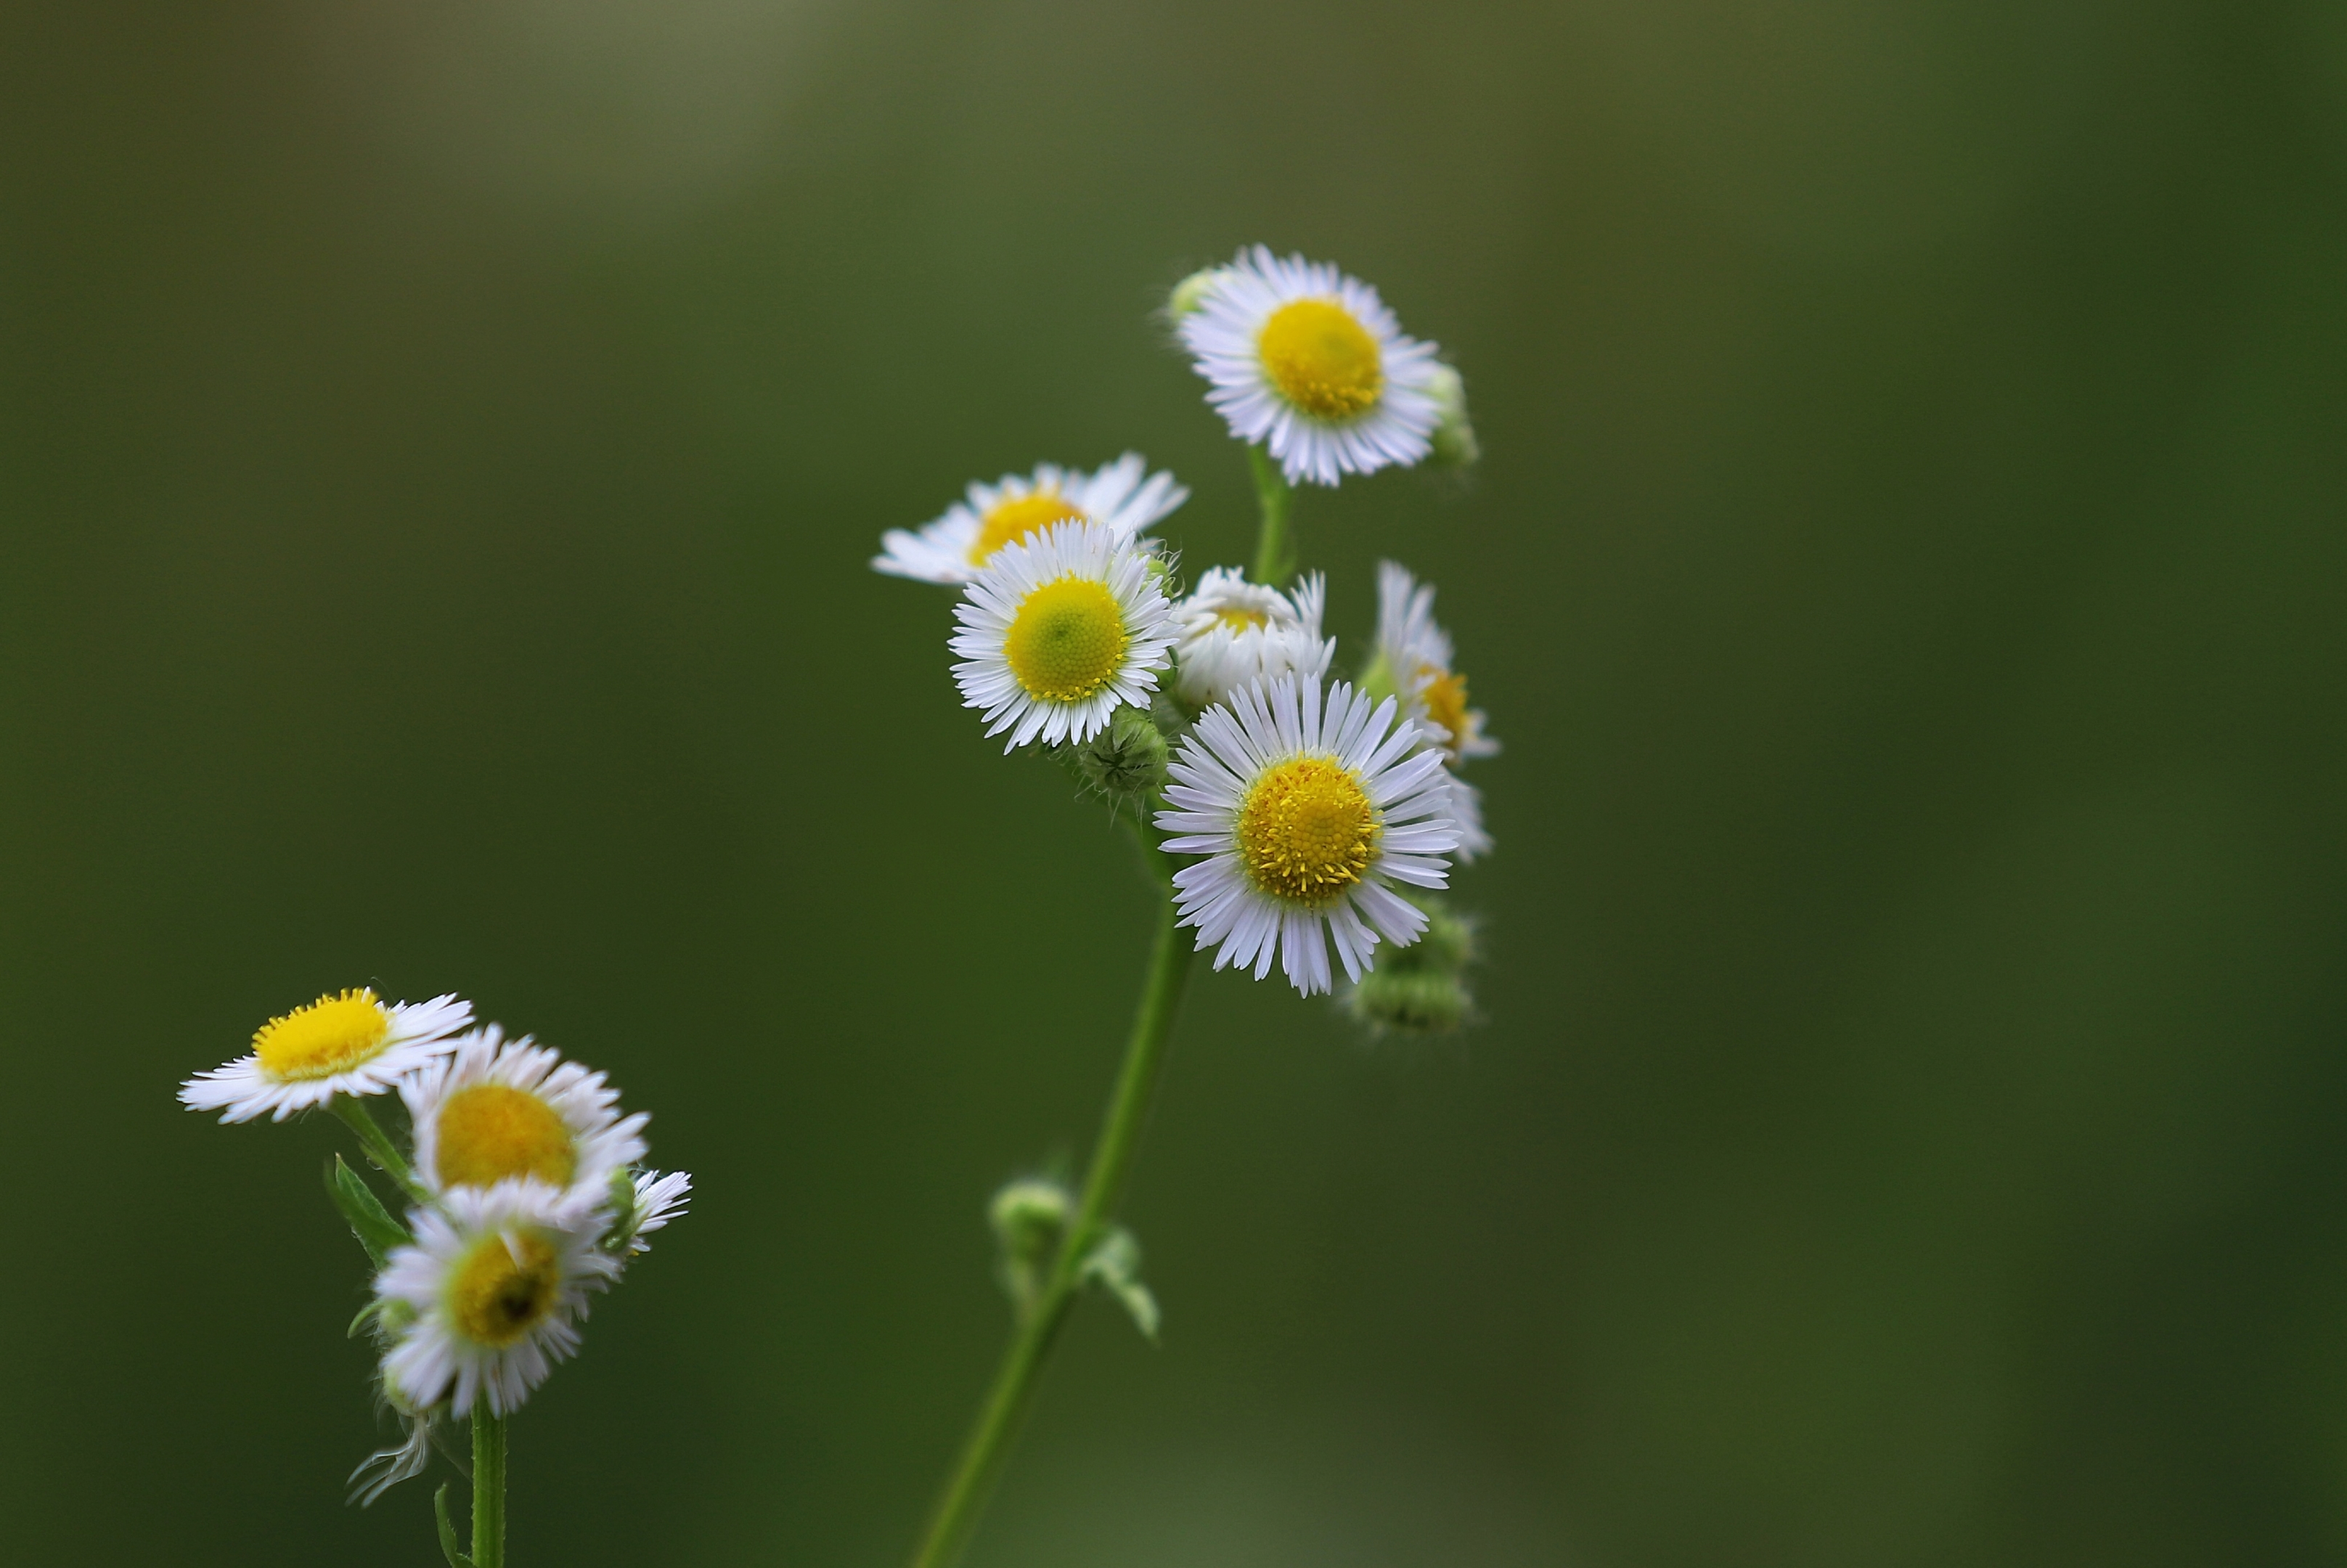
(1454, 438)
(1420, 989)
(1028, 1216)
(1127, 761)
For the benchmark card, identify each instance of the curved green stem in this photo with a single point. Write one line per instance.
(378, 1145)
(488, 1489)
(990, 1441)
(1275, 560)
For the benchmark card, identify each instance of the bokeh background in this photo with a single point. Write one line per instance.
(443, 442)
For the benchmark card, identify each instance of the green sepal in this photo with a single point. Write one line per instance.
(1115, 1264)
(625, 1216)
(376, 1230)
(448, 1531)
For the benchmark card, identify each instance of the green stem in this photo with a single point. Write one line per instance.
(378, 1144)
(1273, 560)
(990, 1441)
(489, 1488)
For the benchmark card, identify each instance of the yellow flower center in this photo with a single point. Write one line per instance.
(1445, 697)
(1067, 640)
(1322, 360)
(505, 1288)
(1014, 519)
(488, 1132)
(1239, 618)
(1306, 830)
(331, 1035)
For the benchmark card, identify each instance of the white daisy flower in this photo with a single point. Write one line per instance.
(659, 1199)
(498, 1278)
(1310, 363)
(1305, 809)
(347, 1044)
(956, 546)
(1058, 631)
(1417, 654)
(1234, 631)
(499, 1110)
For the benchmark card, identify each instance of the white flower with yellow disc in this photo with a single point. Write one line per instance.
(496, 1280)
(1414, 659)
(1309, 362)
(956, 546)
(510, 1110)
(1234, 631)
(350, 1043)
(1306, 808)
(1058, 631)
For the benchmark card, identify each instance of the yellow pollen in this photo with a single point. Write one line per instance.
(1014, 519)
(1306, 830)
(1067, 640)
(1239, 620)
(331, 1035)
(505, 1288)
(1321, 359)
(1446, 704)
(488, 1132)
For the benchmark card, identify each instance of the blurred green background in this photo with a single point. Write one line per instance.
(442, 445)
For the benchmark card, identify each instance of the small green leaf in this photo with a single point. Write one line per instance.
(376, 1230)
(1115, 1264)
(448, 1531)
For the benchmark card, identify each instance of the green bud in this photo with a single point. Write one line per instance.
(1454, 438)
(1127, 761)
(1410, 1002)
(1191, 293)
(1028, 1216)
(1420, 989)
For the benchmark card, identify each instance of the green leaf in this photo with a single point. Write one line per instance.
(448, 1531)
(1115, 1264)
(376, 1230)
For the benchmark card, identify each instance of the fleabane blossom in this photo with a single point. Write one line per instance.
(1414, 657)
(1309, 363)
(502, 1110)
(1234, 631)
(346, 1043)
(1059, 630)
(1121, 497)
(1305, 803)
(496, 1280)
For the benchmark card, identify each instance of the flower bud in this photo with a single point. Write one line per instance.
(1127, 761)
(1454, 438)
(1028, 1216)
(1191, 293)
(1420, 989)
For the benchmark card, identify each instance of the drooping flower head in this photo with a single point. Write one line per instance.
(509, 1110)
(497, 1281)
(1310, 363)
(1414, 659)
(1234, 631)
(1059, 630)
(1306, 807)
(958, 546)
(350, 1043)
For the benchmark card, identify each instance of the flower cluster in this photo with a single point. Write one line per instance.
(1305, 806)
(525, 1185)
